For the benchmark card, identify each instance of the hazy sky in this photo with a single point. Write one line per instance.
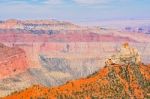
(75, 10)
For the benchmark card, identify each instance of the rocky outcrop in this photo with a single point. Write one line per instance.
(115, 81)
(127, 54)
(12, 61)
(128, 80)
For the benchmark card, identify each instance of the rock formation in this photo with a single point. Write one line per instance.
(12, 61)
(115, 81)
(71, 51)
(125, 55)
(128, 80)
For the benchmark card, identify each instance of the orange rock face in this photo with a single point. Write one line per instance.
(12, 61)
(130, 81)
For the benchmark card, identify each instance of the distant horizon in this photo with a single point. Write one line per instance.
(75, 10)
(101, 20)
(111, 23)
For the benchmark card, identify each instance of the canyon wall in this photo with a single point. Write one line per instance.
(12, 61)
(51, 52)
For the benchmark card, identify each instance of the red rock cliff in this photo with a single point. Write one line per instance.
(12, 61)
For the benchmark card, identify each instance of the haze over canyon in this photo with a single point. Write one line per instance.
(51, 53)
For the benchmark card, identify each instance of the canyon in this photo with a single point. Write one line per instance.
(52, 52)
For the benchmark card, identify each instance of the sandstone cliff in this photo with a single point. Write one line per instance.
(12, 61)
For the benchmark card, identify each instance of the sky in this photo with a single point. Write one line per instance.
(75, 10)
